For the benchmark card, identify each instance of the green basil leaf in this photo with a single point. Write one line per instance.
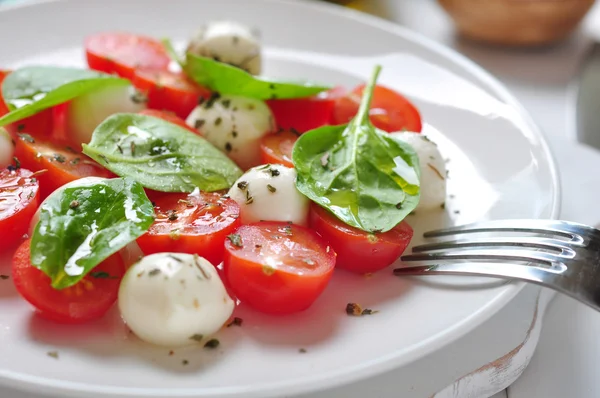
(160, 155)
(227, 79)
(32, 89)
(359, 173)
(80, 227)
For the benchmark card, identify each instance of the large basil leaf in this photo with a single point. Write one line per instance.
(227, 79)
(160, 155)
(367, 179)
(30, 90)
(81, 226)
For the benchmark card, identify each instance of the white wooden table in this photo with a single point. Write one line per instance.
(568, 353)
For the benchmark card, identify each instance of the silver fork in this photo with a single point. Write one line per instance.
(560, 255)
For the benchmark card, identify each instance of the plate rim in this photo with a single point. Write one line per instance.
(369, 369)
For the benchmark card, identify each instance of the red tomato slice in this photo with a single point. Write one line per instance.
(390, 111)
(122, 53)
(169, 117)
(89, 299)
(360, 251)
(304, 114)
(277, 268)
(169, 91)
(195, 223)
(277, 148)
(62, 164)
(39, 125)
(19, 199)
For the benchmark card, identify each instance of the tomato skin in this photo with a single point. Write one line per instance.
(169, 117)
(201, 222)
(89, 299)
(19, 200)
(304, 114)
(302, 272)
(61, 164)
(122, 53)
(389, 111)
(359, 251)
(39, 125)
(169, 91)
(277, 148)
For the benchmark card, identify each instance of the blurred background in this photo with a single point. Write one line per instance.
(544, 50)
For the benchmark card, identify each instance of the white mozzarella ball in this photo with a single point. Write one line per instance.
(73, 184)
(7, 148)
(228, 42)
(235, 125)
(269, 193)
(83, 114)
(433, 169)
(174, 299)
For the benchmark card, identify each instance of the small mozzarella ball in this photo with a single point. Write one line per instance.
(83, 114)
(228, 42)
(235, 125)
(73, 184)
(268, 193)
(174, 299)
(433, 169)
(7, 148)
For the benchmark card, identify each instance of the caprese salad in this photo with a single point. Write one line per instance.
(179, 185)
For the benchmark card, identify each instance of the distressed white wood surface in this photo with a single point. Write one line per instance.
(502, 372)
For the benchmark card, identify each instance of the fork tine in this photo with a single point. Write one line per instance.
(494, 255)
(505, 271)
(564, 229)
(556, 246)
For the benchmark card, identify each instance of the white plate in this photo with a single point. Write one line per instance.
(499, 165)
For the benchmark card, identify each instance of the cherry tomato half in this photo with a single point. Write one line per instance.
(122, 53)
(38, 125)
(89, 299)
(357, 250)
(390, 111)
(277, 268)
(19, 200)
(169, 117)
(62, 164)
(304, 114)
(169, 91)
(195, 223)
(277, 148)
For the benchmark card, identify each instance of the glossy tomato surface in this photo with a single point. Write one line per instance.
(304, 114)
(277, 148)
(357, 250)
(19, 200)
(89, 299)
(56, 164)
(196, 223)
(277, 268)
(123, 53)
(390, 111)
(169, 91)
